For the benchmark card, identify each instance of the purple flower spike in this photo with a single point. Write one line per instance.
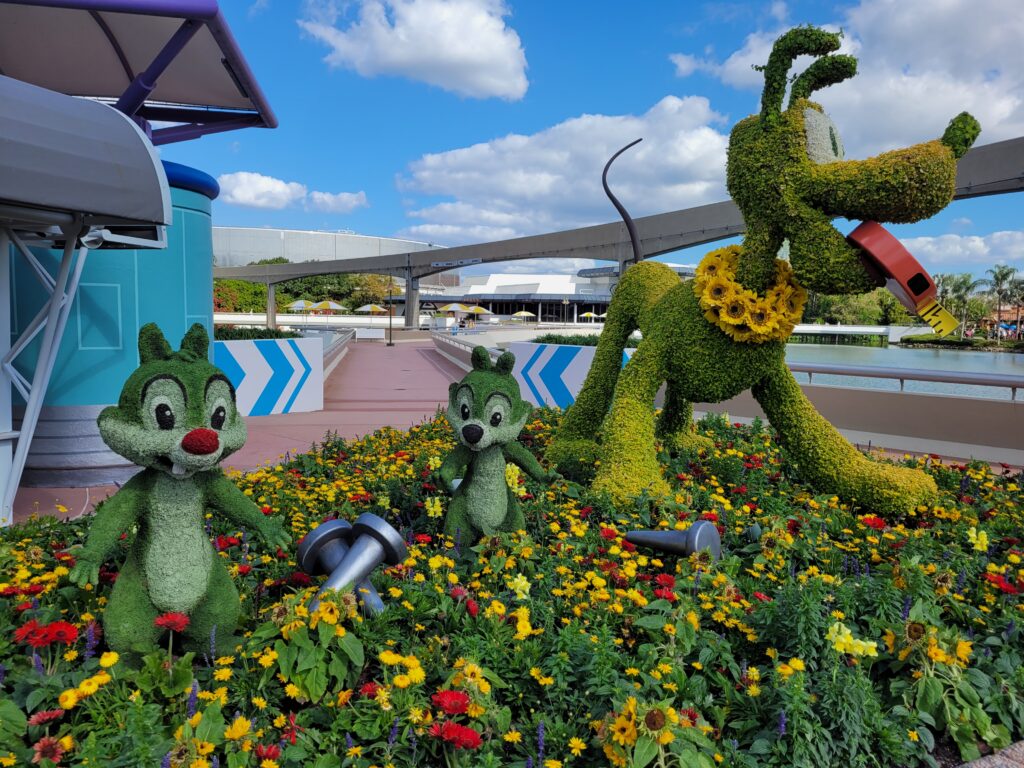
(782, 723)
(393, 736)
(906, 608)
(166, 762)
(540, 742)
(90, 640)
(193, 698)
(38, 663)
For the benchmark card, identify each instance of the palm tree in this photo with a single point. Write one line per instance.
(999, 281)
(943, 281)
(961, 287)
(1016, 296)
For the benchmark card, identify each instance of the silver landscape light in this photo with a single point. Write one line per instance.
(702, 535)
(349, 554)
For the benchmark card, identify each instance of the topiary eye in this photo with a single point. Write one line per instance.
(464, 411)
(164, 416)
(218, 418)
(495, 419)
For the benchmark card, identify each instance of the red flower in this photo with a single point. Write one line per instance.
(452, 702)
(62, 632)
(873, 521)
(266, 510)
(762, 597)
(369, 690)
(458, 592)
(174, 621)
(1000, 581)
(41, 718)
(461, 736)
(665, 580)
(585, 512)
(33, 633)
(244, 569)
(609, 534)
(665, 594)
(20, 607)
(472, 608)
(47, 748)
(423, 538)
(223, 542)
(269, 752)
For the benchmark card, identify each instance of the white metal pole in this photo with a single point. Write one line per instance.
(56, 318)
(6, 418)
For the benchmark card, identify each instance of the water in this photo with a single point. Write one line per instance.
(953, 360)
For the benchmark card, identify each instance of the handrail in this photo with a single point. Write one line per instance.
(1013, 383)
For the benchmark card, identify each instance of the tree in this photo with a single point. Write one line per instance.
(373, 289)
(962, 287)
(892, 311)
(999, 281)
(1016, 296)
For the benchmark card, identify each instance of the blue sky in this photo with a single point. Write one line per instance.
(457, 121)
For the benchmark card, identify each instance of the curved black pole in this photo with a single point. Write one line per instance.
(633, 237)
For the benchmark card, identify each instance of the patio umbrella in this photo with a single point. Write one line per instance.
(453, 308)
(301, 304)
(589, 314)
(603, 316)
(524, 313)
(479, 311)
(332, 305)
(371, 308)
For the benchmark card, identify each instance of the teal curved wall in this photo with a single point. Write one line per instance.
(120, 291)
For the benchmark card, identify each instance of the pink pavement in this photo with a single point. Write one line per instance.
(373, 386)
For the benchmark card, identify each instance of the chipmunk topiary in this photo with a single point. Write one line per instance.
(487, 414)
(725, 332)
(177, 419)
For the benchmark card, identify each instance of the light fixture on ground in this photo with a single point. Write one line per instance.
(322, 551)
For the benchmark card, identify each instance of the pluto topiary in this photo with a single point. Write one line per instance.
(487, 414)
(725, 333)
(177, 419)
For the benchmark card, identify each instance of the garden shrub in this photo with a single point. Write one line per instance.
(230, 333)
(724, 333)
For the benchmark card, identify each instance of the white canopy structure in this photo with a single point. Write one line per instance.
(74, 174)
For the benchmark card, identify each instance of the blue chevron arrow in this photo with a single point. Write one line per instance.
(281, 374)
(224, 360)
(305, 375)
(526, 374)
(551, 375)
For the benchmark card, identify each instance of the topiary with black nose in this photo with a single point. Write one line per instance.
(487, 414)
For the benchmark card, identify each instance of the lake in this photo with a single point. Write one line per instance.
(955, 360)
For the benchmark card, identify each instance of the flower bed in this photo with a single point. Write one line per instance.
(825, 635)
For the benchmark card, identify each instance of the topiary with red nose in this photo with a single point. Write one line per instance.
(177, 419)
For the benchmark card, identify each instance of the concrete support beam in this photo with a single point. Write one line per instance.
(412, 300)
(271, 307)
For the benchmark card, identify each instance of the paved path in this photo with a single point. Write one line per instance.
(373, 386)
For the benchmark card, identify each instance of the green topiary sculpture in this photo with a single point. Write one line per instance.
(487, 414)
(176, 418)
(725, 332)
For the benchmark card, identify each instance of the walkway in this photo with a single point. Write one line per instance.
(373, 386)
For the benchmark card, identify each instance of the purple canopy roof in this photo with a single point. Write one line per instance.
(166, 61)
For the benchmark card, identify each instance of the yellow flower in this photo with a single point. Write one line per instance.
(222, 674)
(402, 681)
(259, 702)
(753, 690)
(624, 731)
(797, 664)
(513, 737)
(963, 650)
(354, 751)
(576, 746)
(520, 585)
(912, 735)
(108, 659)
(88, 687)
(552, 763)
(68, 699)
(239, 728)
(70, 655)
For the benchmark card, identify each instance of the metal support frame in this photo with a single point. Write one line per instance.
(412, 300)
(144, 83)
(51, 320)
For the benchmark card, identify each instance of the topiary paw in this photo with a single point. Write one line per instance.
(893, 491)
(575, 460)
(624, 485)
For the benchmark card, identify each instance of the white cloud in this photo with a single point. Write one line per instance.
(551, 180)
(254, 190)
(919, 64)
(969, 253)
(342, 202)
(686, 64)
(778, 11)
(463, 46)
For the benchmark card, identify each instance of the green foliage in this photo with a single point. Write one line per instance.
(230, 333)
(172, 398)
(785, 196)
(487, 414)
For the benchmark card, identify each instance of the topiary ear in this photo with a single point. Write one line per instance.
(451, 389)
(152, 344)
(196, 341)
(481, 359)
(505, 363)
